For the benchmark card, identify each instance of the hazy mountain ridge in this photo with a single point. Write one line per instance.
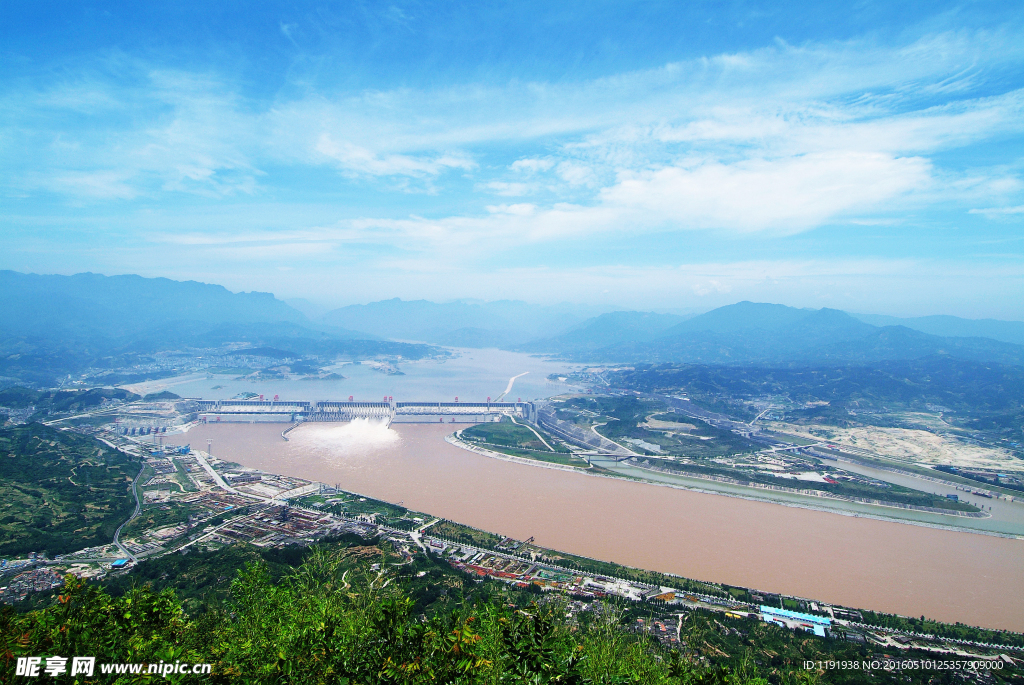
(490, 324)
(117, 305)
(754, 333)
(52, 325)
(606, 330)
(954, 326)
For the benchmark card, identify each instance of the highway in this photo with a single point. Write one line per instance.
(508, 389)
(138, 510)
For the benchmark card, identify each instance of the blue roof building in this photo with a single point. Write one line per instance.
(795, 619)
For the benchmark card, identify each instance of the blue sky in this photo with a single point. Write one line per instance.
(644, 155)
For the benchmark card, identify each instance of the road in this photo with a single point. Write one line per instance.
(539, 436)
(138, 510)
(508, 389)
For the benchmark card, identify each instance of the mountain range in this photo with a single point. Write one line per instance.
(504, 323)
(51, 324)
(754, 333)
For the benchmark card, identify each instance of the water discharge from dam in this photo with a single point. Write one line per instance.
(337, 441)
(858, 562)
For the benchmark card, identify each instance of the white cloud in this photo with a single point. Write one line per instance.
(788, 194)
(576, 174)
(994, 212)
(781, 139)
(359, 160)
(532, 166)
(506, 189)
(104, 185)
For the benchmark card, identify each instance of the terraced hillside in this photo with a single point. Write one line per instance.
(59, 491)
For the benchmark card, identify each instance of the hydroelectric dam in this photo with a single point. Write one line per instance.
(388, 410)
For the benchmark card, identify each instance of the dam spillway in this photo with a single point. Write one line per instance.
(277, 411)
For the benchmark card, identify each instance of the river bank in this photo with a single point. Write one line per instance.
(850, 560)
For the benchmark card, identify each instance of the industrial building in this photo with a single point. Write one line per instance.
(794, 620)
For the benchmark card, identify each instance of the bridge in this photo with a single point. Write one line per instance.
(279, 411)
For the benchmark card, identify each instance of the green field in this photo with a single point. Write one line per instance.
(517, 440)
(514, 435)
(60, 491)
(630, 418)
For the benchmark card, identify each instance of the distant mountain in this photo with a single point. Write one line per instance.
(607, 329)
(749, 332)
(112, 306)
(54, 325)
(310, 309)
(464, 324)
(954, 326)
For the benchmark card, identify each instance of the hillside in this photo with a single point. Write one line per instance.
(90, 304)
(606, 330)
(755, 333)
(419, 622)
(51, 326)
(954, 326)
(60, 491)
(470, 324)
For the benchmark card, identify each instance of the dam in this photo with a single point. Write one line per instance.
(278, 411)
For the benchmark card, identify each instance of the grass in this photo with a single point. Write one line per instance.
(465, 534)
(181, 475)
(508, 434)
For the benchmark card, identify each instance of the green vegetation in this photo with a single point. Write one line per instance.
(163, 395)
(997, 481)
(956, 631)
(456, 532)
(508, 434)
(631, 418)
(334, 621)
(60, 491)
(890, 493)
(348, 504)
(48, 402)
(607, 568)
(156, 516)
(181, 475)
(325, 615)
(979, 396)
(520, 441)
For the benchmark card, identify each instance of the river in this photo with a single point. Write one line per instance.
(858, 562)
(470, 374)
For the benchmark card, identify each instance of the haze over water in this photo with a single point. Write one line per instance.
(858, 562)
(472, 375)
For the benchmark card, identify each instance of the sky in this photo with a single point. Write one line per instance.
(867, 156)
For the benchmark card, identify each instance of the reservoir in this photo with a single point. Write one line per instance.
(470, 374)
(858, 562)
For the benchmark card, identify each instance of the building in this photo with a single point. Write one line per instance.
(794, 620)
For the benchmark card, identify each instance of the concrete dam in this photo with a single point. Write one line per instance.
(278, 411)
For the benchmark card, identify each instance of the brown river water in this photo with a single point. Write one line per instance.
(858, 562)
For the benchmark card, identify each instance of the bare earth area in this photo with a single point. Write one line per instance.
(916, 446)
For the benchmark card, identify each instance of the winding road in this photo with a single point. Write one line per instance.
(138, 510)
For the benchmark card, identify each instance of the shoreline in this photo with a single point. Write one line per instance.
(850, 560)
(490, 454)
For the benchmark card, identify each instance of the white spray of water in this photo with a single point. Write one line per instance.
(359, 436)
